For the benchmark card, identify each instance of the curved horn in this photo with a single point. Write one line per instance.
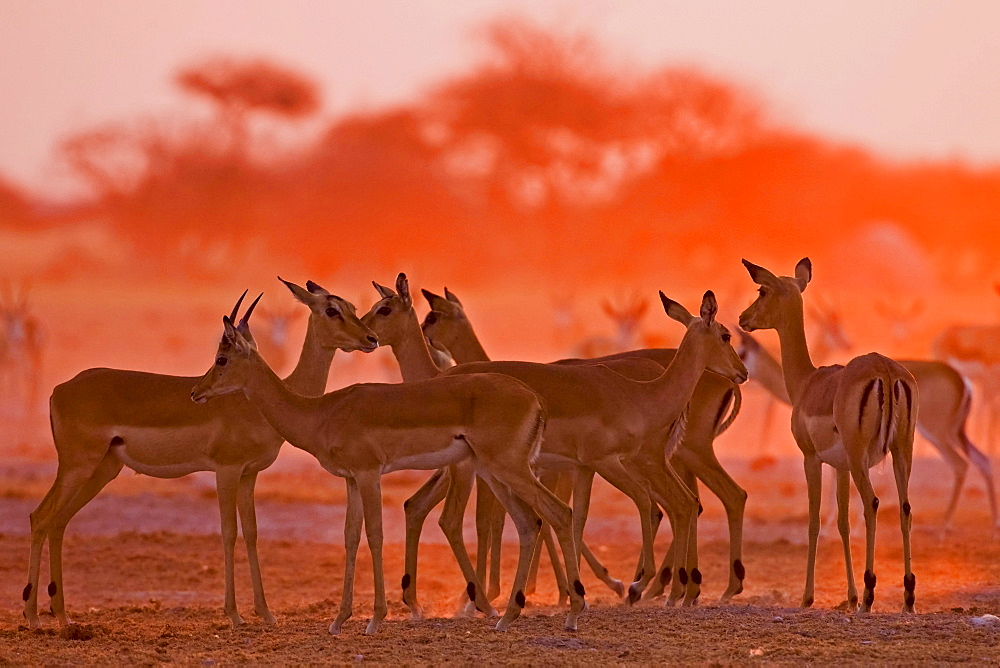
(246, 316)
(232, 316)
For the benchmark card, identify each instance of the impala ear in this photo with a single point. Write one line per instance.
(232, 336)
(430, 296)
(760, 275)
(450, 296)
(709, 307)
(303, 295)
(316, 289)
(383, 291)
(675, 311)
(803, 273)
(403, 288)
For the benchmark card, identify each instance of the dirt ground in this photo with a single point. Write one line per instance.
(144, 581)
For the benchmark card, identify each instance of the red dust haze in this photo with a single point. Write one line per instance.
(540, 184)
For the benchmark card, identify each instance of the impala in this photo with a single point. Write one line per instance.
(487, 424)
(106, 418)
(943, 410)
(447, 326)
(849, 417)
(601, 420)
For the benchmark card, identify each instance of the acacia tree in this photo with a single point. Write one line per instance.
(239, 88)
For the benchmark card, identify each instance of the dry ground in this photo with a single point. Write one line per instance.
(144, 582)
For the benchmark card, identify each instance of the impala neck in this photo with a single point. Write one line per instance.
(310, 374)
(467, 348)
(412, 354)
(290, 414)
(674, 387)
(795, 360)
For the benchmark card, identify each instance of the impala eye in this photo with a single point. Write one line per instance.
(221, 361)
(385, 310)
(761, 291)
(726, 338)
(431, 318)
(332, 312)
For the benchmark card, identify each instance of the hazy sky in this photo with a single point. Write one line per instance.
(908, 78)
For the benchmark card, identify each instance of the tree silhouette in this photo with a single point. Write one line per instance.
(239, 88)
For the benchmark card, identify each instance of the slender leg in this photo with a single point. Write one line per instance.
(959, 467)
(870, 506)
(705, 465)
(416, 508)
(353, 521)
(982, 463)
(814, 483)
(248, 520)
(523, 484)
(63, 489)
(106, 471)
(612, 470)
(226, 482)
(370, 487)
(462, 477)
(844, 526)
(527, 523)
(902, 458)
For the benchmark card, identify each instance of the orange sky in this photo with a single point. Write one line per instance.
(905, 77)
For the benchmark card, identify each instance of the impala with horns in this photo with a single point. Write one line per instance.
(106, 418)
(849, 417)
(487, 424)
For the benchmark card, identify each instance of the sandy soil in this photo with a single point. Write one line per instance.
(144, 582)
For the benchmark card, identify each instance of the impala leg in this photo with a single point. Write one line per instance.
(106, 471)
(370, 487)
(982, 464)
(226, 483)
(612, 470)
(498, 518)
(561, 486)
(814, 483)
(353, 521)
(959, 467)
(462, 477)
(682, 512)
(684, 546)
(901, 464)
(705, 465)
(870, 506)
(844, 526)
(248, 521)
(416, 508)
(583, 481)
(62, 491)
(528, 523)
(528, 489)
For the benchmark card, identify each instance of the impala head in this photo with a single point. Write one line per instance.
(444, 324)
(712, 339)
(392, 315)
(334, 319)
(233, 359)
(779, 301)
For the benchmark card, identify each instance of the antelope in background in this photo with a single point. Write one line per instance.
(22, 345)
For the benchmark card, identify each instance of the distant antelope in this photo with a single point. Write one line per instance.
(849, 417)
(21, 350)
